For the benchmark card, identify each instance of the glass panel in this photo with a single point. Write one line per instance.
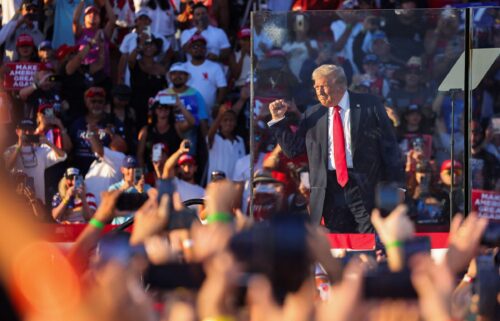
(484, 125)
(400, 134)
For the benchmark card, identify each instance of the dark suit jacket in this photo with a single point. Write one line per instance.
(375, 152)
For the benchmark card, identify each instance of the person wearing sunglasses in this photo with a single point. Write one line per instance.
(33, 154)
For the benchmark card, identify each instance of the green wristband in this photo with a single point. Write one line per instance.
(393, 244)
(219, 217)
(97, 224)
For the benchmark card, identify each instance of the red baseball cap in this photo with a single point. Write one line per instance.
(44, 106)
(24, 40)
(94, 92)
(64, 50)
(244, 33)
(447, 165)
(186, 158)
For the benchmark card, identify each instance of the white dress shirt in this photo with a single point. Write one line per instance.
(345, 115)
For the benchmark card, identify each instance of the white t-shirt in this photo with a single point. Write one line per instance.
(245, 69)
(189, 191)
(206, 78)
(263, 38)
(129, 43)
(9, 8)
(216, 38)
(103, 173)
(242, 173)
(224, 154)
(33, 161)
(338, 27)
(297, 53)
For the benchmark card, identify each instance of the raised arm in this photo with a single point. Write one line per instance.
(77, 15)
(169, 167)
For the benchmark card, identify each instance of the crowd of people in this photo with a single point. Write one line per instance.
(120, 109)
(157, 80)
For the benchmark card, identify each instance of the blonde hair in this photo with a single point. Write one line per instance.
(333, 72)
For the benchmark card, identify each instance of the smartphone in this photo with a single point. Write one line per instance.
(387, 198)
(187, 144)
(32, 139)
(166, 186)
(299, 22)
(175, 275)
(217, 176)
(78, 182)
(48, 112)
(167, 100)
(495, 123)
(385, 284)
(138, 173)
(147, 31)
(115, 247)
(418, 244)
(156, 153)
(130, 201)
(181, 220)
(304, 180)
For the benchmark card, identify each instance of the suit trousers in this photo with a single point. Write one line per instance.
(344, 209)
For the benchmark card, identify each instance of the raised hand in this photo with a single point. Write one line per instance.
(278, 108)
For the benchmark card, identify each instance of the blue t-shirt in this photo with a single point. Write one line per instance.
(194, 103)
(63, 22)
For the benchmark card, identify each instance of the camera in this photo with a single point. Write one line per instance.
(31, 139)
(217, 176)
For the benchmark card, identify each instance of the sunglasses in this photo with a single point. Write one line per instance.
(198, 46)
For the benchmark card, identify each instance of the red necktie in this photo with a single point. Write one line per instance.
(339, 148)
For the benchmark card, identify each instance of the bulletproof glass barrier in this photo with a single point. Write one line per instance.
(430, 90)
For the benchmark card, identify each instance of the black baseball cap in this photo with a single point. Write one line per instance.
(26, 124)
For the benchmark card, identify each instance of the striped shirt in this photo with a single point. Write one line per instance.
(74, 209)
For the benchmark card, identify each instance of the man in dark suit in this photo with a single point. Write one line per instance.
(350, 145)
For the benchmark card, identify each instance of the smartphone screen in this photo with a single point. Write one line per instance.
(156, 154)
(138, 173)
(167, 100)
(304, 179)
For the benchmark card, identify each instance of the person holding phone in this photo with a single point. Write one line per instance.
(33, 154)
(72, 203)
(147, 75)
(132, 182)
(143, 22)
(166, 128)
(43, 90)
(52, 127)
